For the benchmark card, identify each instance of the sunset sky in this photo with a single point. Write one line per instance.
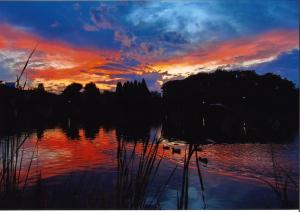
(111, 41)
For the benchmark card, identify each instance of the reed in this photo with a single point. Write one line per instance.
(282, 182)
(133, 185)
(12, 182)
(183, 198)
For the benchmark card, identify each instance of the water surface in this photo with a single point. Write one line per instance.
(77, 168)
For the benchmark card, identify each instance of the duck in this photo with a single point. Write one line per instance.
(203, 160)
(176, 150)
(166, 147)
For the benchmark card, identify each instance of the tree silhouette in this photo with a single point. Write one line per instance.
(144, 87)
(119, 88)
(41, 87)
(91, 89)
(72, 89)
(232, 98)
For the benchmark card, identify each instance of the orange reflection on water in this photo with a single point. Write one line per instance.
(57, 154)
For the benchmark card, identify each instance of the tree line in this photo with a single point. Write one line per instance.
(209, 97)
(230, 103)
(81, 103)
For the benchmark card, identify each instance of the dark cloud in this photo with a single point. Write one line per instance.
(173, 37)
(101, 21)
(124, 65)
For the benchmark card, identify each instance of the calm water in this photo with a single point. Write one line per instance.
(83, 169)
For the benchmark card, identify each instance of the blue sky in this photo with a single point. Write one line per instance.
(158, 41)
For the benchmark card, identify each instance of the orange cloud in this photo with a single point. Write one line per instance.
(2, 43)
(238, 52)
(55, 60)
(57, 64)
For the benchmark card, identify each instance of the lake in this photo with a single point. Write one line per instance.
(116, 168)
